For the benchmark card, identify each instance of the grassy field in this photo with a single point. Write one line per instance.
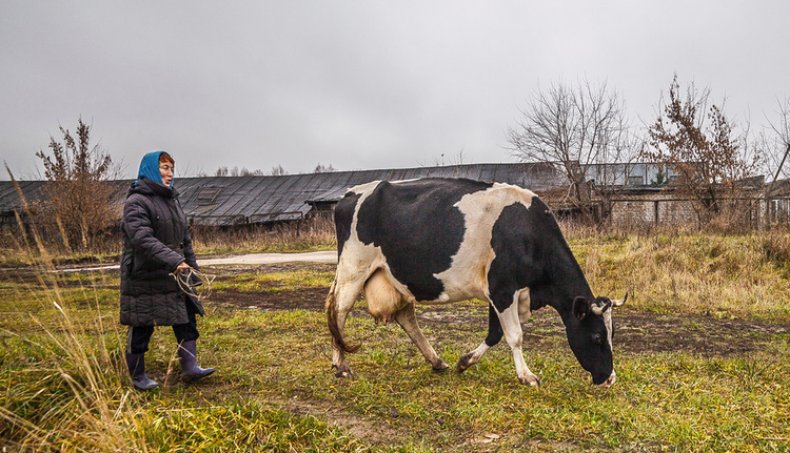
(702, 353)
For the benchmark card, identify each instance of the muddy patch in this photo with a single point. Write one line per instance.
(302, 298)
(228, 271)
(373, 431)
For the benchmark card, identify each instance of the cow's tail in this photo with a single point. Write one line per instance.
(331, 317)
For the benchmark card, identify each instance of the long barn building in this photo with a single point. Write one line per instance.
(248, 200)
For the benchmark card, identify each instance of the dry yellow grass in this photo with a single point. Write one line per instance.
(744, 276)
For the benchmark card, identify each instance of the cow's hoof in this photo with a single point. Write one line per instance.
(464, 362)
(531, 380)
(343, 372)
(441, 367)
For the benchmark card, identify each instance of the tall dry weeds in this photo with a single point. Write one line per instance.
(724, 276)
(74, 395)
(316, 232)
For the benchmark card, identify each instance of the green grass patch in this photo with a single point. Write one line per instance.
(64, 386)
(276, 281)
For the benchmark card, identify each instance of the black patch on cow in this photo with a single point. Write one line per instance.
(417, 227)
(518, 252)
(531, 252)
(494, 328)
(344, 215)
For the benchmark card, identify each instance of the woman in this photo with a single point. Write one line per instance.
(157, 245)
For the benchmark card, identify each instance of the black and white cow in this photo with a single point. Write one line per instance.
(443, 240)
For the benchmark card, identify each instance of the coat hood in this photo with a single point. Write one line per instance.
(149, 168)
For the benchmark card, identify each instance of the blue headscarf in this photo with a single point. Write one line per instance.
(149, 168)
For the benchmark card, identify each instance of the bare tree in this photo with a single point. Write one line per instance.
(320, 168)
(78, 198)
(571, 127)
(236, 171)
(246, 172)
(701, 145)
(278, 171)
(777, 143)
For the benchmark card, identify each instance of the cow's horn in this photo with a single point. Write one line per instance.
(599, 309)
(619, 302)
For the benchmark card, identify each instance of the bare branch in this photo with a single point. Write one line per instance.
(572, 127)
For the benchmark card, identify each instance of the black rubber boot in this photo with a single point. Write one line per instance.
(136, 364)
(190, 370)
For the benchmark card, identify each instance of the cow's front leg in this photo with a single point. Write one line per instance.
(407, 319)
(514, 337)
(493, 337)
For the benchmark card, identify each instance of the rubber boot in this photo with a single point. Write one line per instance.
(190, 370)
(136, 364)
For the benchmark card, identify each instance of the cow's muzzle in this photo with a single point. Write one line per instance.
(609, 381)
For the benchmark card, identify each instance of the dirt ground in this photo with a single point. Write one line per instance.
(635, 331)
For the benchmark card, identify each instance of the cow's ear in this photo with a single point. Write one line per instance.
(581, 308)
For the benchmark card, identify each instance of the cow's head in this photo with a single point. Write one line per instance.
(590, 333)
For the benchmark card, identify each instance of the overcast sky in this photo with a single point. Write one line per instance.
(358, 84)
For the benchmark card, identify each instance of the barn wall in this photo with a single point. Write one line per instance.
(667, 209)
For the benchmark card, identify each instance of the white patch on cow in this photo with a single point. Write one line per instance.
(607, 320)
(364, 189)
(401, 181)
(467, 276)
(511, 327)
(476, 354)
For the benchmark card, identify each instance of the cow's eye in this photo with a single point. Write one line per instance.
(596, 338)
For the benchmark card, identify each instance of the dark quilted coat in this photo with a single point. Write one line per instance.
(156, 240)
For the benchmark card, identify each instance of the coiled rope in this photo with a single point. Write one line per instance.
(194, 283)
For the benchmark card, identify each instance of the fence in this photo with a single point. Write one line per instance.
(747, 212)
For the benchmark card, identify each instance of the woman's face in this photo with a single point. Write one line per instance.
(166, 172)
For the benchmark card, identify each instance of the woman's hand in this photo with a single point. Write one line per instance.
(182, 266)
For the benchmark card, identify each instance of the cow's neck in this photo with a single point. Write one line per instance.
(566, 282)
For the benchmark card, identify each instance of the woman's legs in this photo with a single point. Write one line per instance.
(188, 331)
(137, 340)
(186, 335)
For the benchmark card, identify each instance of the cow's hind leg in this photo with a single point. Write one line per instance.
(343, 294)
(407, 319)
(493, 337)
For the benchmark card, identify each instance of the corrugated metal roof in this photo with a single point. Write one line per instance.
(232, 200)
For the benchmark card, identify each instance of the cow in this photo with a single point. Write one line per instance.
(442, 240)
